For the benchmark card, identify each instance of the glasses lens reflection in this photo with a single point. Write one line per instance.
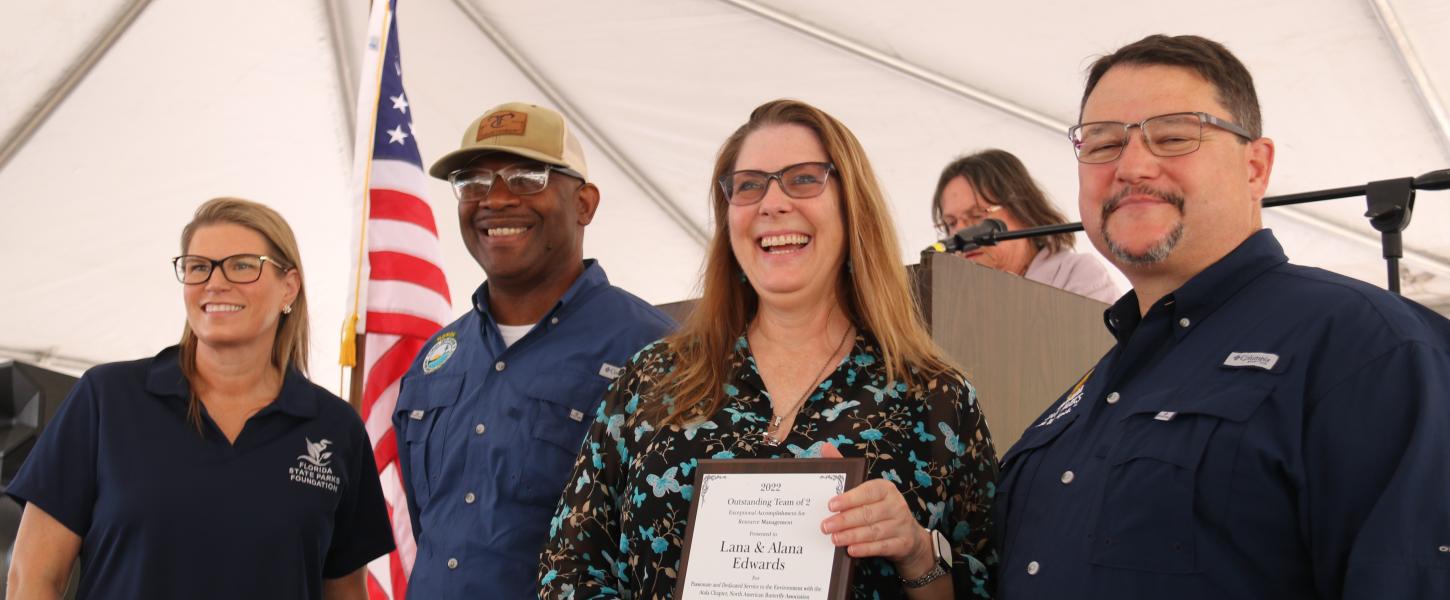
(475, 184)
(805, 180)
(1166, 135)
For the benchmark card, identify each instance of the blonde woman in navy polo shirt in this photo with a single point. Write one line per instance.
(214, 469)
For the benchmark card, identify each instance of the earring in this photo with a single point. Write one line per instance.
(287, 310)
(849, 267)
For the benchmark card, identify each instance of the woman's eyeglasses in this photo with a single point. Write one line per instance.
(237, 268)
(800, 181)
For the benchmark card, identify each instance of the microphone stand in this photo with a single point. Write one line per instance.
(1390, 202)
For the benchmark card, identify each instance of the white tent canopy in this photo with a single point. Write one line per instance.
(120, 116)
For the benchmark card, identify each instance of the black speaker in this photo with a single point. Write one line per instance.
(29, 397)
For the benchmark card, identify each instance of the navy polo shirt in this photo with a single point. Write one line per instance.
(487, 434)
(1265, 431)
(165, 511)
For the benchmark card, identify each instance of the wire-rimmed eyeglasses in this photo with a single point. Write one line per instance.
(800, 181)
(1173, 134)
(474, 183)
(237, 268)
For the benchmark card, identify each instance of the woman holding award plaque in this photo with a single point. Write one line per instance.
(805, 343)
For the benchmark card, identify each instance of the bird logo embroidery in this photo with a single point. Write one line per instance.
(317, 454)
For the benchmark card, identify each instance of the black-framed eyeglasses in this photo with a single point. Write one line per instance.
(473, 184)
(1173, 134)
(799, 181)
(237, 268)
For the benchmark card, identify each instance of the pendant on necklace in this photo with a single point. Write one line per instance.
(770, 440)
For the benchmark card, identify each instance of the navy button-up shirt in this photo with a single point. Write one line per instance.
(165, 511)
(1265, 431)
(487, 434)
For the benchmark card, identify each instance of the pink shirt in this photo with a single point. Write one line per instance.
(1080, 274)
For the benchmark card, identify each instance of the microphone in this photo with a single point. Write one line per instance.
(967, 239)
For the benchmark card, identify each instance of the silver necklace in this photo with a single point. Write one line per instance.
(775, 420)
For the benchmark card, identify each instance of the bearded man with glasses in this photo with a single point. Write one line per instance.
(1261, 429)
(490, 416)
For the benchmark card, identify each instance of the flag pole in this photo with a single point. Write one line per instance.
(353, 345)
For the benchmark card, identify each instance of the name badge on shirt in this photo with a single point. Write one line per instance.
(1262, 360)
(609, 371)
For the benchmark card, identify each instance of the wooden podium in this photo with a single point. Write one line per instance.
(1022, 343)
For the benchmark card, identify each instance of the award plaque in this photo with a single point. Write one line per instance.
(755, 530)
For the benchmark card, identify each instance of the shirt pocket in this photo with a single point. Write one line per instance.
(422, 436)
(1017, 459)
(1146, 520)
(565, 405)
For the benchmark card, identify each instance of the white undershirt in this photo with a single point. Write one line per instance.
(512, 333)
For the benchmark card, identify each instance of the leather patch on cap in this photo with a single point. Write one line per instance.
(502, 123)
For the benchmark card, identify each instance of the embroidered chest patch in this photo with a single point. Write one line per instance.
(441, 351)
(1072, 401)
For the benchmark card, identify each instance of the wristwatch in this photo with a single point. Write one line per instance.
(942, 551)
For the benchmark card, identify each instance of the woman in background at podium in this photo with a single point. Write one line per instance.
(993, 184)
(214, 469)
(805, 343)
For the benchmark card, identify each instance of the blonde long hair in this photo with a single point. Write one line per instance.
(289, 346)
(873, 287)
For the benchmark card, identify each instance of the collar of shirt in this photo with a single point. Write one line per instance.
(1201, 295)
(592, 278)
(165, 380)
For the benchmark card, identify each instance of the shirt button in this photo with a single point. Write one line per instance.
(1445, 549)
(1113, 398)
(479, 429)
(498, 366)
(469, 498)
(554, 321)
(1033, 568)
(453, 564)
(1184, 322)
(1067, 477)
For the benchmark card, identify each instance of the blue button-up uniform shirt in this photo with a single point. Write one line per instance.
(487, 434)
(1265, 431)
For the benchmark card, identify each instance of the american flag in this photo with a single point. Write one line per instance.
(400, 295)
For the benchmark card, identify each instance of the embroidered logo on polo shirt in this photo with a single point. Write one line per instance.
(1074, 397)
(314, 468)
(441, 351)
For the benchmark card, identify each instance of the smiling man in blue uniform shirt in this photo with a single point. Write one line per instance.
(1261, 429)
(491, 414)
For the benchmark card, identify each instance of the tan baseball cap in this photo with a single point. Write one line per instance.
(520, 129)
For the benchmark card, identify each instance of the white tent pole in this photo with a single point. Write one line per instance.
(584, 125)
(345, 85)
(78, 70)
(1419, 80)
(1029, 115)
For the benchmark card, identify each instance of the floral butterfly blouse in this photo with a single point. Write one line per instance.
(618, 529)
